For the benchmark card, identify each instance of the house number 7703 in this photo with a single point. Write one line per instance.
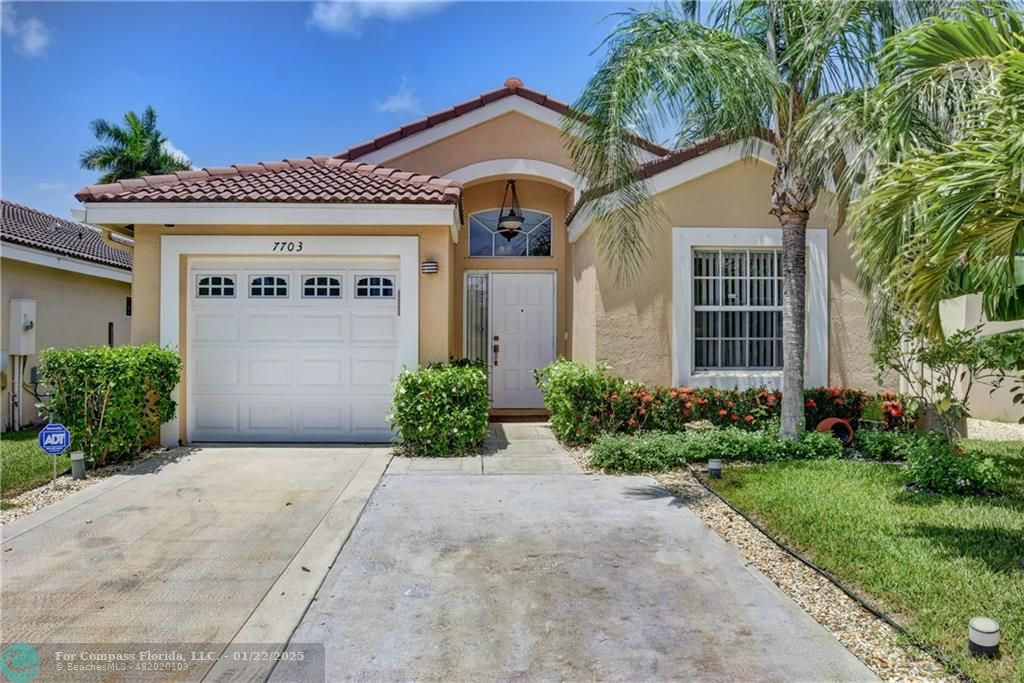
(287, 246)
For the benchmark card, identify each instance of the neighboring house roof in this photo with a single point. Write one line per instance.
(513, 87)
(31, 228)
(318, 179)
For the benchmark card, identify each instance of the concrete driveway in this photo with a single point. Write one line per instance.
(197, 547)
(552, 577)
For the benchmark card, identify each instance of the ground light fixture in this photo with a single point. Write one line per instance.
(715, 468)
(983, 636)
(78, 465)
(510, 215)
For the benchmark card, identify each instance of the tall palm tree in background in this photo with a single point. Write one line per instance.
(131, 151)
(935, 168)
(749, 72)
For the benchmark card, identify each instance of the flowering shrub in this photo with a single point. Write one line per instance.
(824, 402)
(585, 403)
(441, 410)
(896, 415)
(936, 466)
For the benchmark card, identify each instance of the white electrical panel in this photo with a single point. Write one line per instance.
(22, 327)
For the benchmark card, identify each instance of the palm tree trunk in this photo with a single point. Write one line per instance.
(794, 281)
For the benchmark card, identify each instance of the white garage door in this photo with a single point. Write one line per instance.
(292, 350)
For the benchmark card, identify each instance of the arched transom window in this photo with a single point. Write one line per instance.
(533, 239)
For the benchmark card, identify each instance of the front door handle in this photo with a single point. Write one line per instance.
(495, 348)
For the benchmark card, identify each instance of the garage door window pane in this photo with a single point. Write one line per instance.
(375, 287)
(268, 286)
(211, 286)
(321, 287)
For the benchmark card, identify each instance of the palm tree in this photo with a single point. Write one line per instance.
(749, 73)
(938, 174)
(131, 151)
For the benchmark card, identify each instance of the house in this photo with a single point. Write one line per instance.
(296, 290)
(63, 285)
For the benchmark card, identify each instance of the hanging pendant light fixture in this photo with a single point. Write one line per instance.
(510, 221)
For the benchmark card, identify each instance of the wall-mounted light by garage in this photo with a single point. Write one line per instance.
(429, 267)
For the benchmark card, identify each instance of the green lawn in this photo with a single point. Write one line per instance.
(932, 562)
(23, 465)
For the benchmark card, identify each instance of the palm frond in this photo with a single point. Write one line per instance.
(660, 70)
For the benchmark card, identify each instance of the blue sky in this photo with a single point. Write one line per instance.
(239, 82)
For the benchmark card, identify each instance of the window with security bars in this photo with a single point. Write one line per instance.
(209, 286)
(375, 287)
(321, 287)
(262, 286)
(737, 309)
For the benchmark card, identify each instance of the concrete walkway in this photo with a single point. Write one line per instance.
(554, 577)
(201, 548)
(510, 448)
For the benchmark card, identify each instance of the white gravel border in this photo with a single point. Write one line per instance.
(42, 496)
(990, 430)
(883, 649)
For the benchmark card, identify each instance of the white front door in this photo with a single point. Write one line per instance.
(522, 336)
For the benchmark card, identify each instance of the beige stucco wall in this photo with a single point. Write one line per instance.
(510, 136)
(71, 310)
(633, 325)
(986, 404)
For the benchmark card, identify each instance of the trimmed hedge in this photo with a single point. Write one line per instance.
(657, 451)
(113, 399)
(585, 403)
(441, 410)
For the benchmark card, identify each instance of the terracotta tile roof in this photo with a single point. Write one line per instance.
(513, 87)
(318, 179)
(656, 166)
(30, 228)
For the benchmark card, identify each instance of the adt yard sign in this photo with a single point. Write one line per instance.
(54, 439)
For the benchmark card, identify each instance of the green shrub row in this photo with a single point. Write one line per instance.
(585, 403)
(113, 399)
(658, 451)
(441, 410)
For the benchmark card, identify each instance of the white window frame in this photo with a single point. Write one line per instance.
(684, 241)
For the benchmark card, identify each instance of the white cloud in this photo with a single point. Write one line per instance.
(402, 100)
(170, 149)
(30, 36)
(341, 16)
(47, 186)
